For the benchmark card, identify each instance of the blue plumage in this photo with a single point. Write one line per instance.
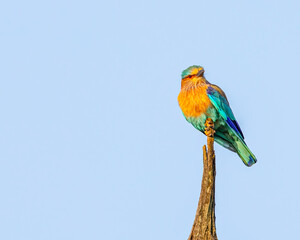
(231, 134)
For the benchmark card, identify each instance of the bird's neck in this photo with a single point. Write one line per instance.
(192, 83)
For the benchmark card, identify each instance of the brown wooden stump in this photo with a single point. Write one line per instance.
(204, 227)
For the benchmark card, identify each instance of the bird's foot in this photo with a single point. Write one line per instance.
(209, 128)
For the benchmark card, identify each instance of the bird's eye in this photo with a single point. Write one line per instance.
(188, 76)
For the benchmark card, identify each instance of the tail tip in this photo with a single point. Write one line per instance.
(251, 161)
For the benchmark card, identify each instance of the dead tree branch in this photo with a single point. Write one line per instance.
(204, 227)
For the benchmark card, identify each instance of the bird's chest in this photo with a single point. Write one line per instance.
(197, 107)
(194, 102)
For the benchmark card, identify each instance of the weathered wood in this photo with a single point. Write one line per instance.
(204, 227)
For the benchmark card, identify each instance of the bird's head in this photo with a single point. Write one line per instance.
(192, 71)
(193, 75)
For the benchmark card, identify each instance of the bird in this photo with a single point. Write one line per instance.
(200, 100)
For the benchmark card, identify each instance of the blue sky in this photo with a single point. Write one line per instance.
(93, 144)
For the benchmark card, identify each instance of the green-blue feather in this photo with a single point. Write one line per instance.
(232, 139)
(189, 70)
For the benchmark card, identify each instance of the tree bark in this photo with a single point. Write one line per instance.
(204, 227)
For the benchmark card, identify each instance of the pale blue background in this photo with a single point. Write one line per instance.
(93, 144)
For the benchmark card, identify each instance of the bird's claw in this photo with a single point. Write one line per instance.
(209, 128)
(209, 132)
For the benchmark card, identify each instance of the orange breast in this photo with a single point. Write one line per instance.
(194, 101)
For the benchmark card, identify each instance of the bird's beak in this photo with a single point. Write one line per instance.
(200, 73)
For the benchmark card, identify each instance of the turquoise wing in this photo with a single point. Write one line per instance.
(237, 142)
(222, 105)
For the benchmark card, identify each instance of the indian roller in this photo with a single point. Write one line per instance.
(200, 100)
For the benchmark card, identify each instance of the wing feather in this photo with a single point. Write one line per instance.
(221, 104)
